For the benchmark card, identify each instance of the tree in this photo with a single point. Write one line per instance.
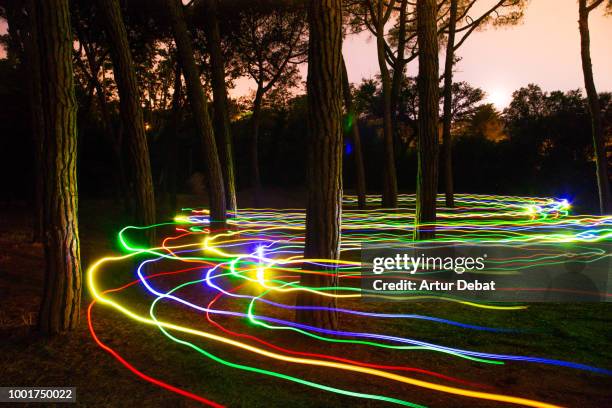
(353, 127)
(458, 13)
(221, 109)
(270, 43)
(198, 102)
(601, 163)
(446, 128)
(131, 113)
(90, 60)
(427, 83)
(32, 55)
(374, 15)
(60, 306)
(324, 207)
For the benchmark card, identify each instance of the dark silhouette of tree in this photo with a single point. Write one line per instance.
(448, 82)
(131, 113)
(352, 120)
(374, 15)
(198, 102)
(270, 44)
(221, 109)
(171, 141)
(601, 162)
(501, 13)
(324, 208)
(62, 291)
(90, 60)
(32, 59)
(427, 170)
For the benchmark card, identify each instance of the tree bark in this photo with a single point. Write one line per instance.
(60, 306)
(603, 182)
(198, 102)
(427, 172)
(389, 193)
(255, 122)
(131, 113)
(324, 207)
(37, 117)
(360, 183)
(448, 95)
(221, 112)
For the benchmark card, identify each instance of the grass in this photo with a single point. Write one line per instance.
(575, 332)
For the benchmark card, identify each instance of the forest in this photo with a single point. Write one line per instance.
(170, 236)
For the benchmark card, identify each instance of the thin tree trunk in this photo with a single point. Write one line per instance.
(603, 182)
(448, 95)
(37, 118)
(198, 102)
(131, 113)
(427, 172)
(173, 153)
(221, 110)
(255, 122)
(360, 182)
(114, 137)
(389, 193)
(61, 302)
(398, 78)
(324, 208)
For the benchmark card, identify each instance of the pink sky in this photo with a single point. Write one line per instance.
(544, 49)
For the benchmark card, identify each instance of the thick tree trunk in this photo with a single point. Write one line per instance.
(62, 291)
(198, 102)
(131, 113)
(389, 193)
(221, 110)
(255, 122)
(353, 124)
(427, 172)
(37, 118)
(448, 95)
(324, 208)
(603, 182)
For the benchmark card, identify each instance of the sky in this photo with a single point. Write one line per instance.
(543, 49)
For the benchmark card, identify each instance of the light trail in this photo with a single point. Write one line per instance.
(260, 256)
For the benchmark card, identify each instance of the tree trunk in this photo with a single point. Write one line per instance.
(398, 79)
(324, 207)
(427, 172)
(603, 182)
(113, 136)
(36, 114)
(255, 121)
(172, 157)
(61, 302)
(221, 110)
(353, 124)
(131, 113)
(198, 102)
(448, 95)
(389, 193)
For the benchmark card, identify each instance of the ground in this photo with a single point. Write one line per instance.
(575, 332)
